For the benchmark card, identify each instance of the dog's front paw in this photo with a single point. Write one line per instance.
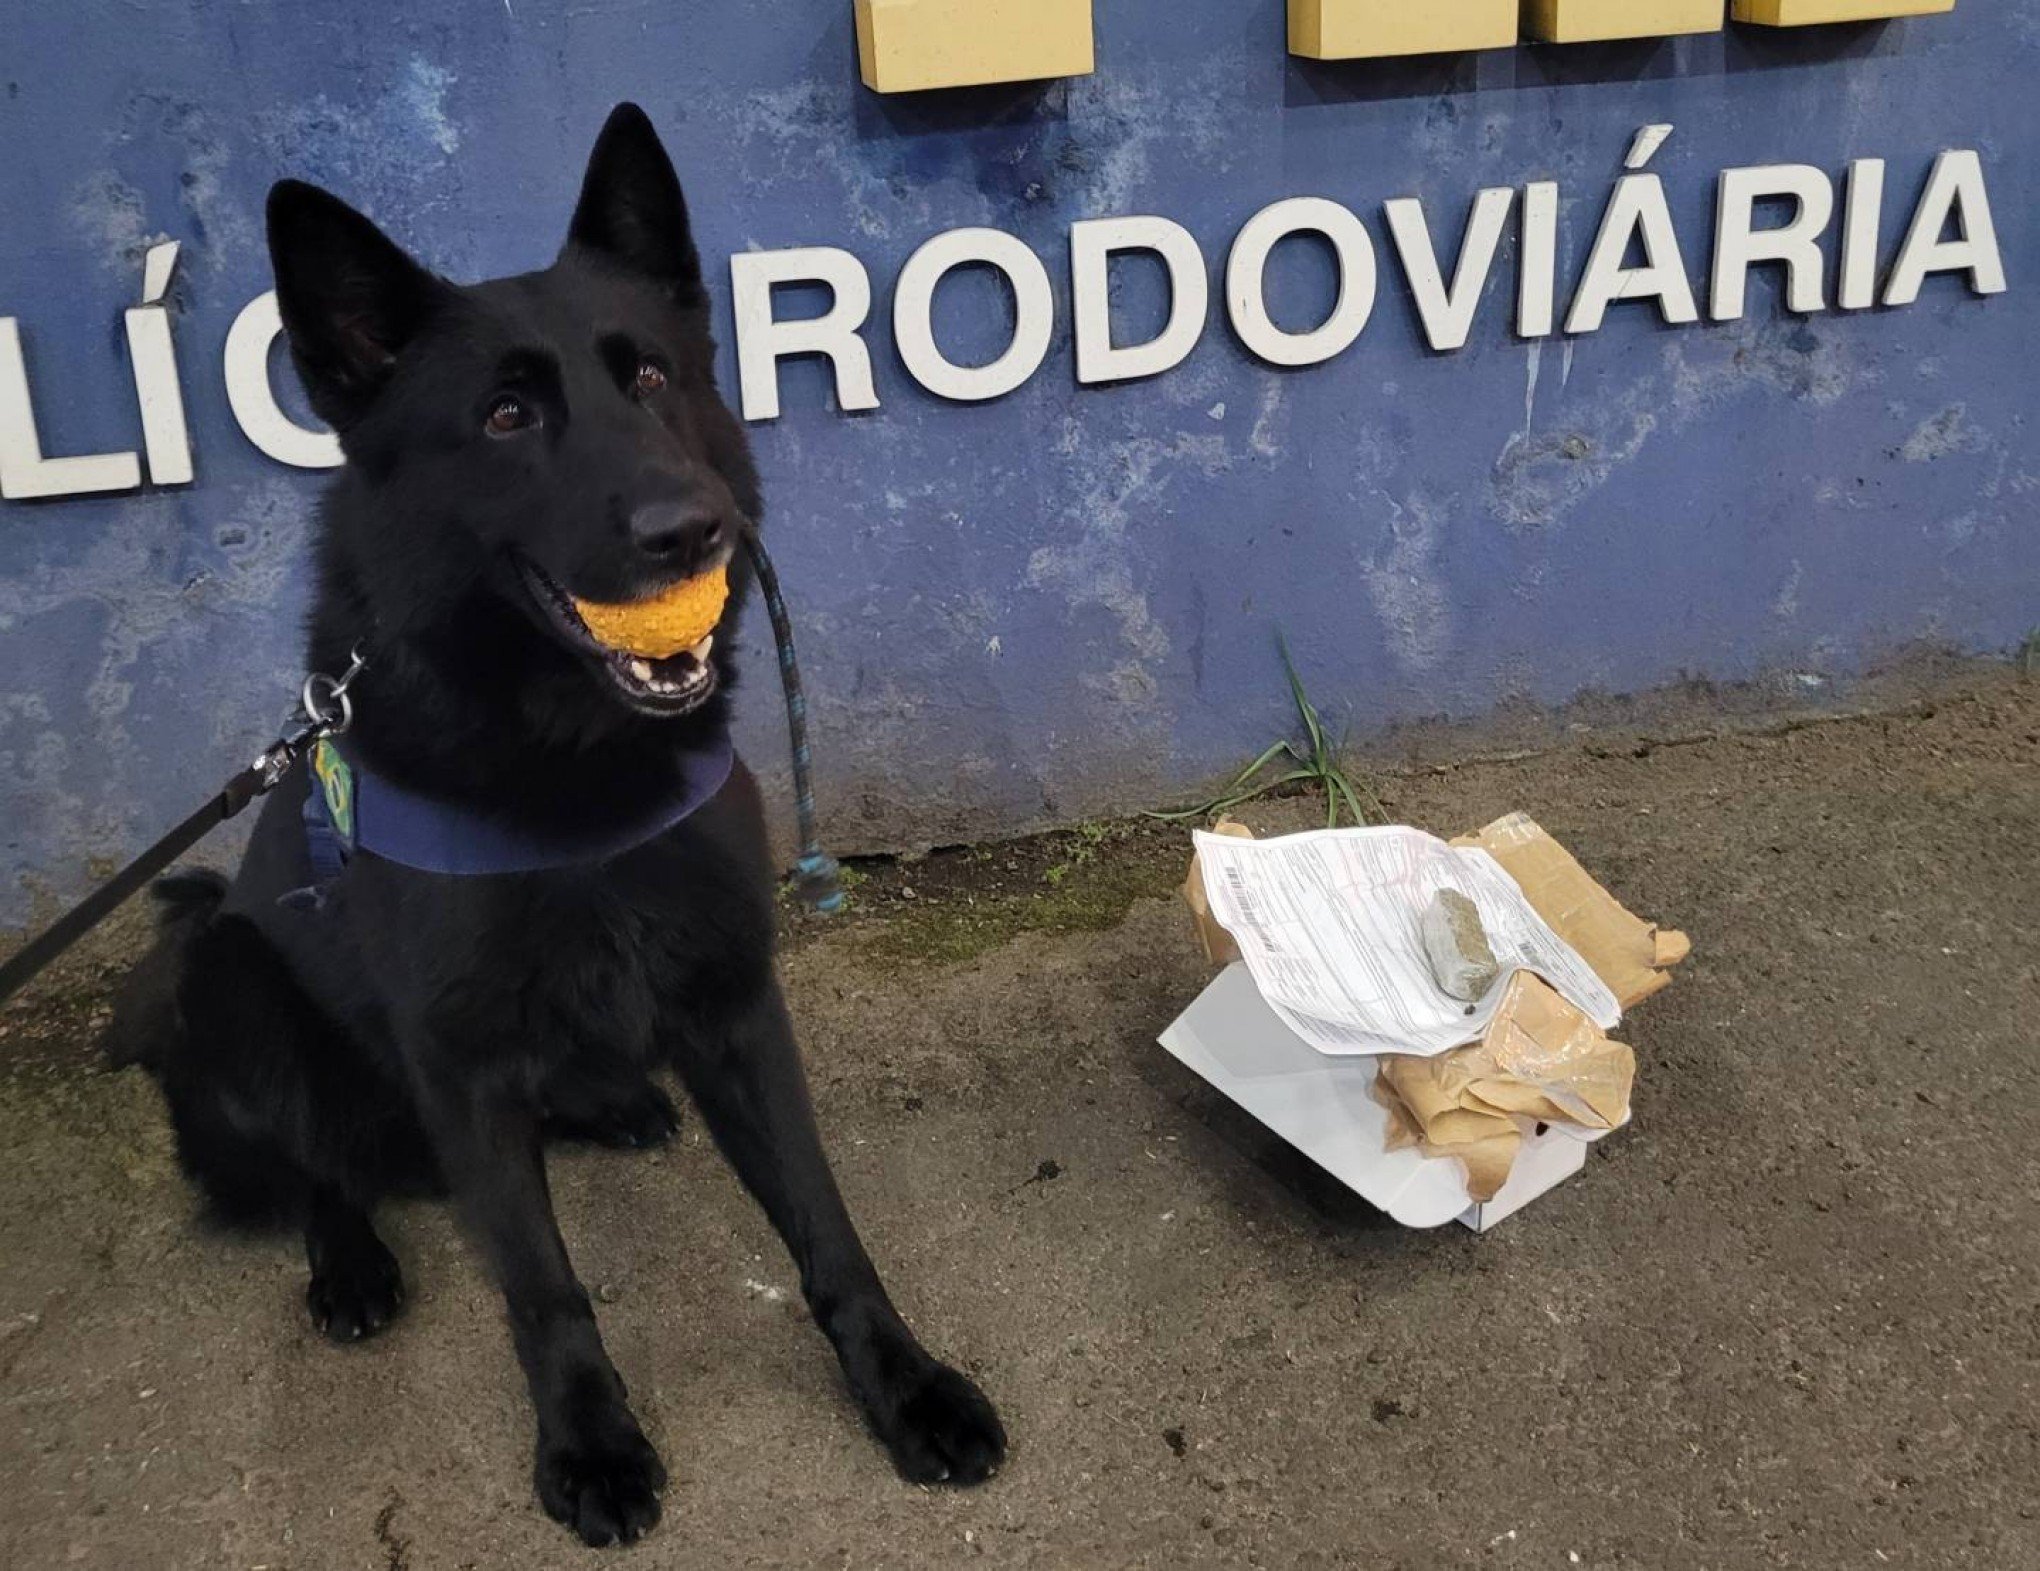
(356, 1291)
(603, 1482)
(939, 1427)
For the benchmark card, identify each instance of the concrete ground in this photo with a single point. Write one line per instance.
(1786, 1319)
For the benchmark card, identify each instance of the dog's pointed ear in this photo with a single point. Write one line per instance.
(350, 298)
(631, 209)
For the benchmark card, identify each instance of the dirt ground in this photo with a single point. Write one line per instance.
(1788, 1318)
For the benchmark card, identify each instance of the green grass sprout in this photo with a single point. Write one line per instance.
(1314, 762)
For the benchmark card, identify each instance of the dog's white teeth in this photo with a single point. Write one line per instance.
(641, 669)
(700, 650)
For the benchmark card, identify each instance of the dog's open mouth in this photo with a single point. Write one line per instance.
(670, 686)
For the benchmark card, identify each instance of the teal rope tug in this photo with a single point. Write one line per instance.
(817, 876)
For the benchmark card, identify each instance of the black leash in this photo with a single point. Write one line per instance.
(325, 709)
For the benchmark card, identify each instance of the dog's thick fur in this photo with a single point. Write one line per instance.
(418, 1032)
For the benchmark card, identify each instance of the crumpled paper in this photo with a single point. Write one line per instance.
(1542, 1061)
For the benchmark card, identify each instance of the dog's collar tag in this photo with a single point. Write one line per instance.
(336, 784)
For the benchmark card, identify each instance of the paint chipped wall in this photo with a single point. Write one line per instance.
(1065, 601)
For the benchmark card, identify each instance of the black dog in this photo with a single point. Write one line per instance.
(512, 446)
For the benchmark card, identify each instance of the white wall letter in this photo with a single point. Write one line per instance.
(1448, 316)
(1637, 208)
(763, 342)
(1537, 268)
(1249, 263)
(253, 400)
(1954, 190)
(1738, 245)
(24, 472)
(1862, 213)
(1091, 246)
(914, 306)
(165, 436)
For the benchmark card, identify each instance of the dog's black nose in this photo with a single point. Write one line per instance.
(665, 530)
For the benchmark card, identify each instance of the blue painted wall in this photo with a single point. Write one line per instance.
(1066, 600)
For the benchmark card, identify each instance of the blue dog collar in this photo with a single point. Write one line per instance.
(350, 808)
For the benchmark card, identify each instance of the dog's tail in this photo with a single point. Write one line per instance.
(148, 1020)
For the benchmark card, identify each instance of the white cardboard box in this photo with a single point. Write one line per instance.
(1324, 1106)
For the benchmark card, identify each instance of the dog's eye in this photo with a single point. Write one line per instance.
(650, 379)
(508, 415)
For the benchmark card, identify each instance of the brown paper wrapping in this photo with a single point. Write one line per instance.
(1626, 952)
(1542, 1061)
(1220, 948)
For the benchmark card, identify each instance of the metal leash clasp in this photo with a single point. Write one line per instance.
(325, 710)
(325, 701)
